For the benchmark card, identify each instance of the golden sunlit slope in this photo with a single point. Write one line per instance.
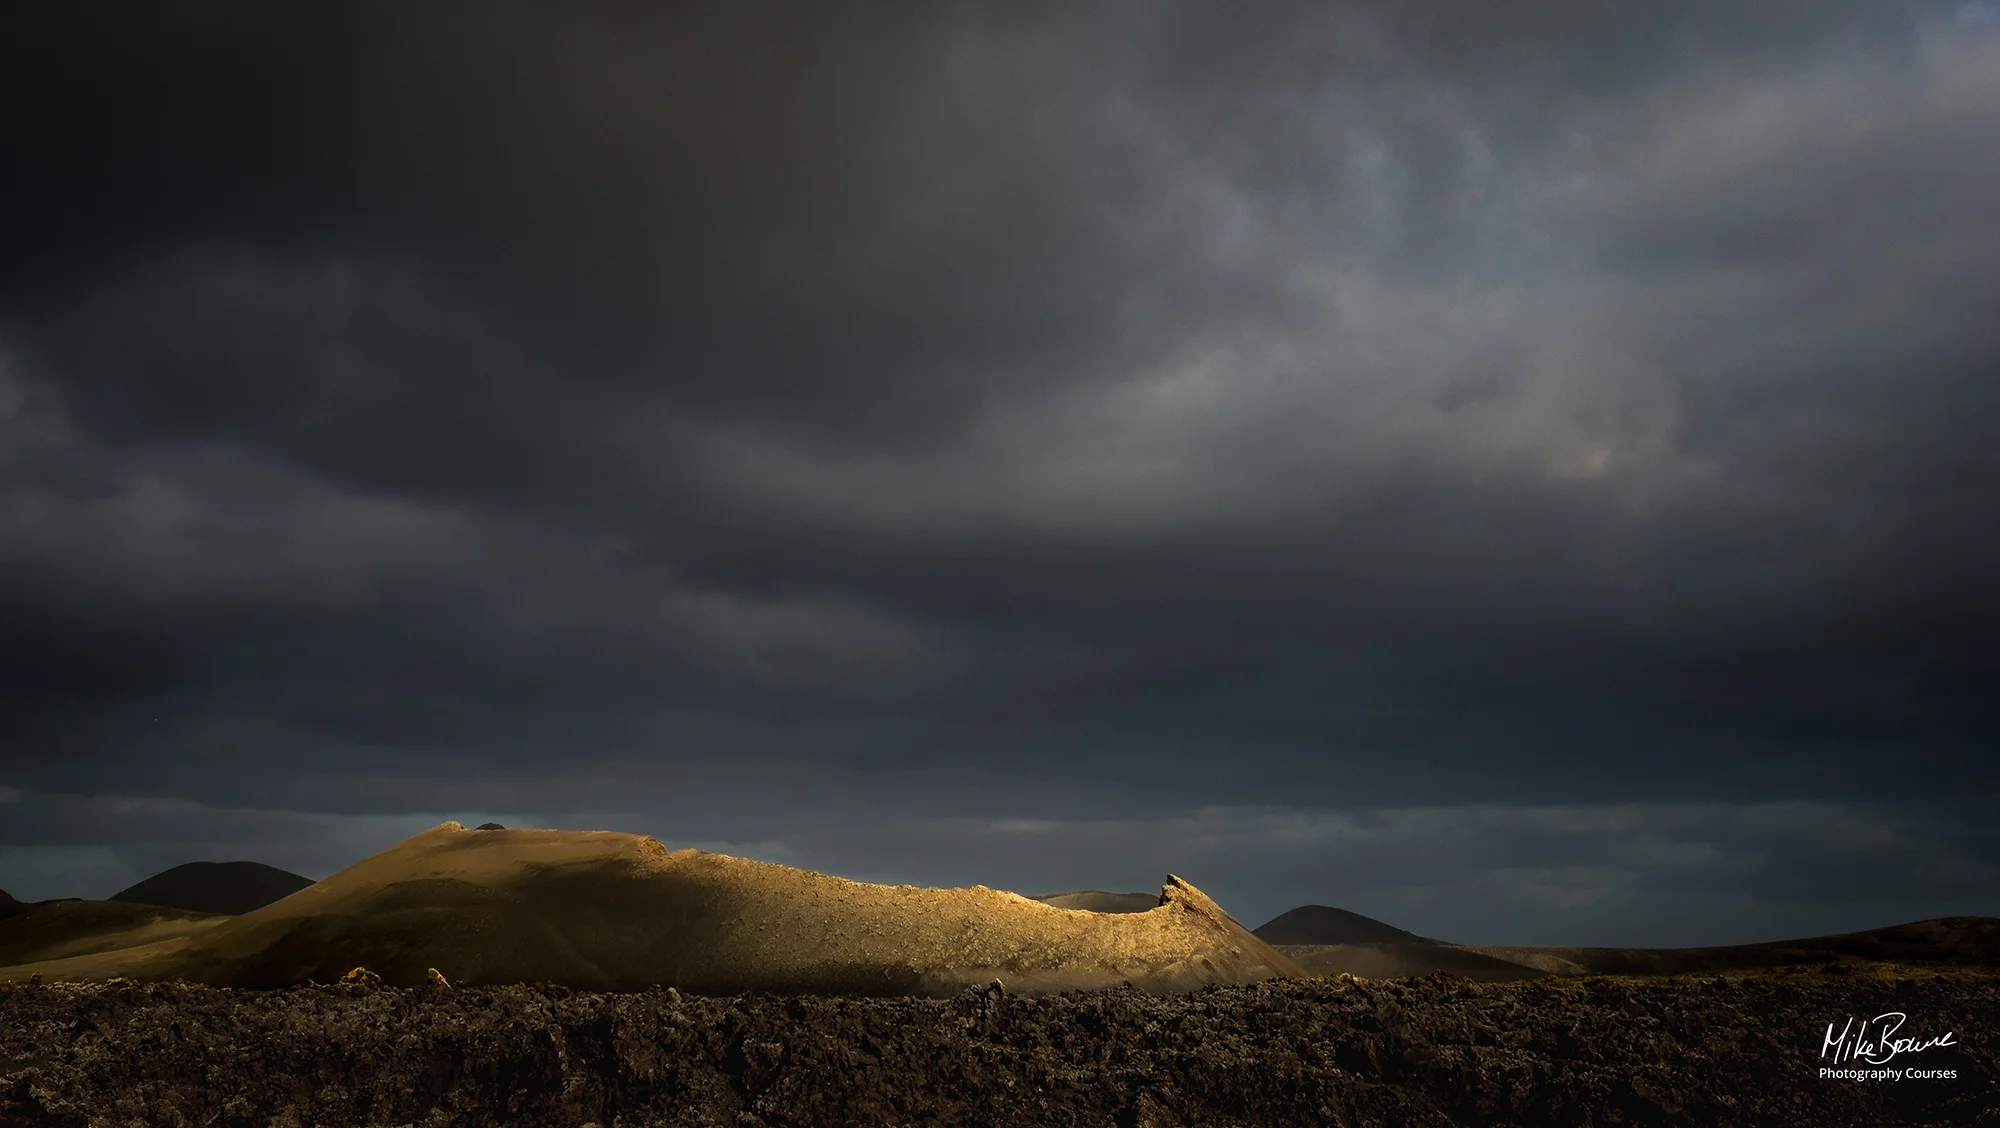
(603, 910)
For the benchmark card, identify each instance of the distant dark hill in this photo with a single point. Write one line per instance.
(1324, 924)
(8, 905)
(1098, 901)
(233, 888)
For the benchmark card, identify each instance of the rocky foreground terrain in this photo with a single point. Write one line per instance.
(1432, 1051)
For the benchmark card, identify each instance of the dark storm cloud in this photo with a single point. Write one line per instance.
(726, 206)
(1010, 414)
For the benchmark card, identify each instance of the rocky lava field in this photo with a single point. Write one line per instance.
(1439, 1050)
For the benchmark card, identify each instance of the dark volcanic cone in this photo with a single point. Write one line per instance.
(215, 887)
(1324, 924)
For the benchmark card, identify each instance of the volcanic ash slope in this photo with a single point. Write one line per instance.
(601, 910)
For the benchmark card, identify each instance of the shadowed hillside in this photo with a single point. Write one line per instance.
(1956, 940)
(50, 930)
(607, 911)
(215, 887)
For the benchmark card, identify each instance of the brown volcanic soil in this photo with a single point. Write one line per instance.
(600, 910)
(1434, 1051)
(1967, 940)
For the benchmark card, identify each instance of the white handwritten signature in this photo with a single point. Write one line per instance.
(1852, 1043)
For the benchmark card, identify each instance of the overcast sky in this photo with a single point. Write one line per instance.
(1524, 472)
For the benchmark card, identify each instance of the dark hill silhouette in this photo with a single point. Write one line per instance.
(1324, 924)
(233, 888)
(8, 905)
